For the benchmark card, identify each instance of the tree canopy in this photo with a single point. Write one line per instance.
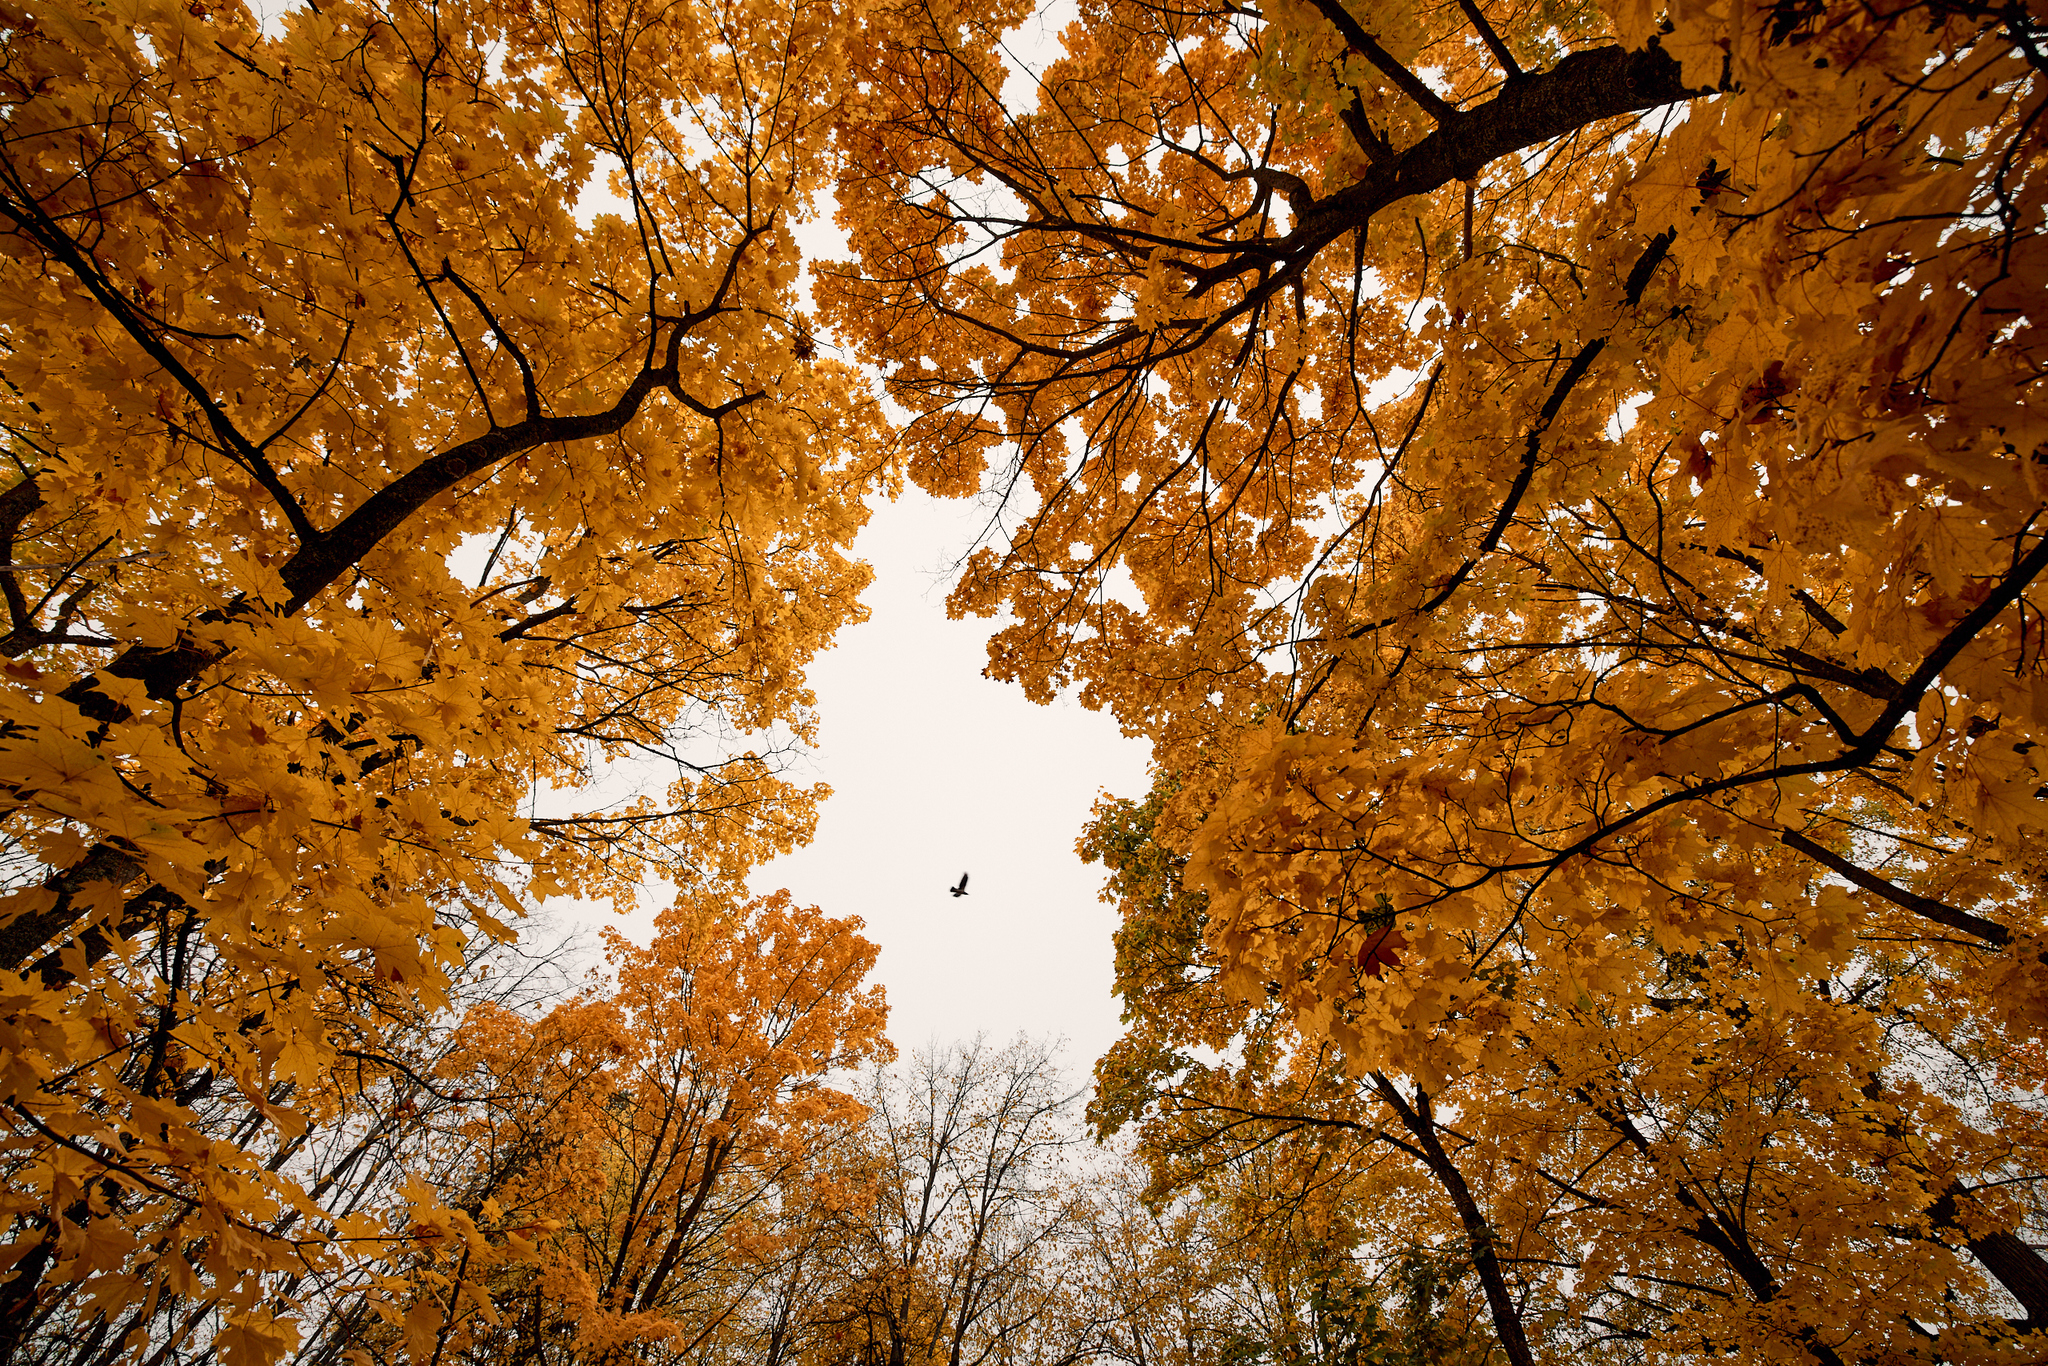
(1559, 486)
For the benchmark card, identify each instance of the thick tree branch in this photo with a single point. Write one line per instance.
(26, 934)
(1366, 46)
(2019, 1268)
(1582, 89)
(1507, 1316)
(15, 507)
(1990, 931)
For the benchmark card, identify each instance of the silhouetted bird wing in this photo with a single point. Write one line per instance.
(961, 890)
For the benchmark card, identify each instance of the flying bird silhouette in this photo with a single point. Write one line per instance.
(961, 890)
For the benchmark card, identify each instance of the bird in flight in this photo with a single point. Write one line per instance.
(961, 890)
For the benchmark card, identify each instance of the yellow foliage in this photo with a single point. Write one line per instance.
(1583, 478)
(364, 499)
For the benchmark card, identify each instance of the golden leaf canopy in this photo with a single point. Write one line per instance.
(1562, 490)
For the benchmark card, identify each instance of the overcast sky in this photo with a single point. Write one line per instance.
(937, 771)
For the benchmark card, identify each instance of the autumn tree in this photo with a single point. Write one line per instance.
(391, 1141)
(365, 498)
(1250, 1265)
(1271, 1129)
(634, 1173)
(672, 1148)
(1672, 1168)
(1464, 538)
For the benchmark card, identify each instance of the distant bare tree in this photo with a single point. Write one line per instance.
(974, 1235)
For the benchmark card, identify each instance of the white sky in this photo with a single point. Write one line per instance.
(936, 771)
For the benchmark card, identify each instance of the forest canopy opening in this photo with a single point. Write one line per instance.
(1559, 488)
